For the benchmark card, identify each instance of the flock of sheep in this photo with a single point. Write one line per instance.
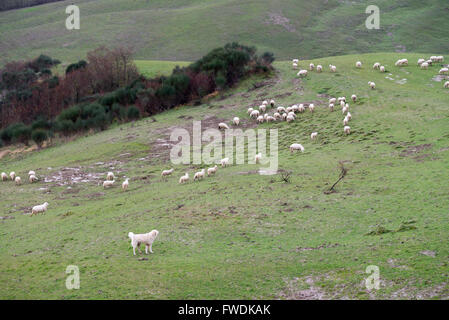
(261, 114)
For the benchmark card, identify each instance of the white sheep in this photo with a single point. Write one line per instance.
(265, 116)
(272, 103)
(349, 115)
(319, 68)
(401, 62)
(280, 109)
(358, 64)
(302, 73)
(254, 114)
(331, 107)
(250, 110)
(224, 162)
(420, 61)
(440, 58)
(311, 67)
(446, 84)
(236, 121)
(290, 118)
(33, 178)
(284, 116)
(108, 183)
(340, 99)
(110, 176)
(277, 115)
(345, 109)
(332, 100)
(291, 113)
(211, 171)
(31, 173)
(295, 61)
(223, 126)
(258, 157)
(342, 104)
(444, 71)
(301, 108)
(313, 135)
(294, 66)
(434, 58)
(376, 65)
(296, 147)
(289, 109)
(40, 208)
(345, 121)
(372, 85)
(184, 178)
(311, 107)
(199, 175)
(295, 108)
(354, 98)
(263, 108)
(260, 119)
(165, 173)
(125, 184)
(12, 175)
(18, 181)
(347, 129)
(382, 69)
(4, 176)
(333, 68)
(424, 65)
(429, 62)
(265, 102)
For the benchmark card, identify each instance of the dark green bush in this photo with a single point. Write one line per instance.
(66, 127)
(39, 136)
(70, 114)
(20, 133)
(133, 113)
(40, 123)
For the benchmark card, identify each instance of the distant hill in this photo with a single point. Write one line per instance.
(15, 4)
(185, 29)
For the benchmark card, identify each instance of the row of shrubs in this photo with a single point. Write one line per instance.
(74, 119)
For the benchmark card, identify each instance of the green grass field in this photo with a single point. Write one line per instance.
(151, 68)
(241, 235)
(183, 30)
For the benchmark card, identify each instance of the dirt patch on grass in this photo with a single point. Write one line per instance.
(322, 246)
(413, 150)
(70, 176)
(293, 292)
(280, 20)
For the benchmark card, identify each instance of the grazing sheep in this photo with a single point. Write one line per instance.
(382, 69)
(277, 115)
(290, 118)
(313, 135)
(420, 61)
(223, 126)
(270, 119)
(372, 85)
(333, 68)
(110, 176)
(311, 67)
(145, 238)
(12, 175)
(340, 99)
(311, 107)
(376, 65)
(429, 62)
(250, 110)
(294, 66)
(265, 116)
(291, 113)
(301, 108)
(345, 109)
(332, 100)
(212, 170)
(289, 109)
(319, 68)
(331, 107)
(18, 181)
(265, 102)
(345, 121)
(280, 109)
(31, 173)
(358, 64)
(108, 183)
(184, 178)
(342, 104)
(424, 65)
(444, 71)
(262, 108)
(260, 119)
(40, 208)
(347, 129)
(224, 162)
(354, 98)
(272, 103)
(296, 147)
(167, 172)
(440, 58)
(125, 184)
(295, 61)
(302, 73)
(236, 121)
(4, 176)
(446, 84)
(258, 157)
(349, 115)
(295, 108)
(33, 178)
(199, 175)
(254, 114)
(401, 63)
(434, 59)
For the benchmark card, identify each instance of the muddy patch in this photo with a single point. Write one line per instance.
(279, 20)
(70, 176)
(413, 150)
(293, 292)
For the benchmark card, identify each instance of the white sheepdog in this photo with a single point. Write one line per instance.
(146, 238)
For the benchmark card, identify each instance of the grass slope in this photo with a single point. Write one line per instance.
(158, 29)
(240, 234)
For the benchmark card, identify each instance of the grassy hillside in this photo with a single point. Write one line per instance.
(151, 68)
(240, 234)
(184, 30)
